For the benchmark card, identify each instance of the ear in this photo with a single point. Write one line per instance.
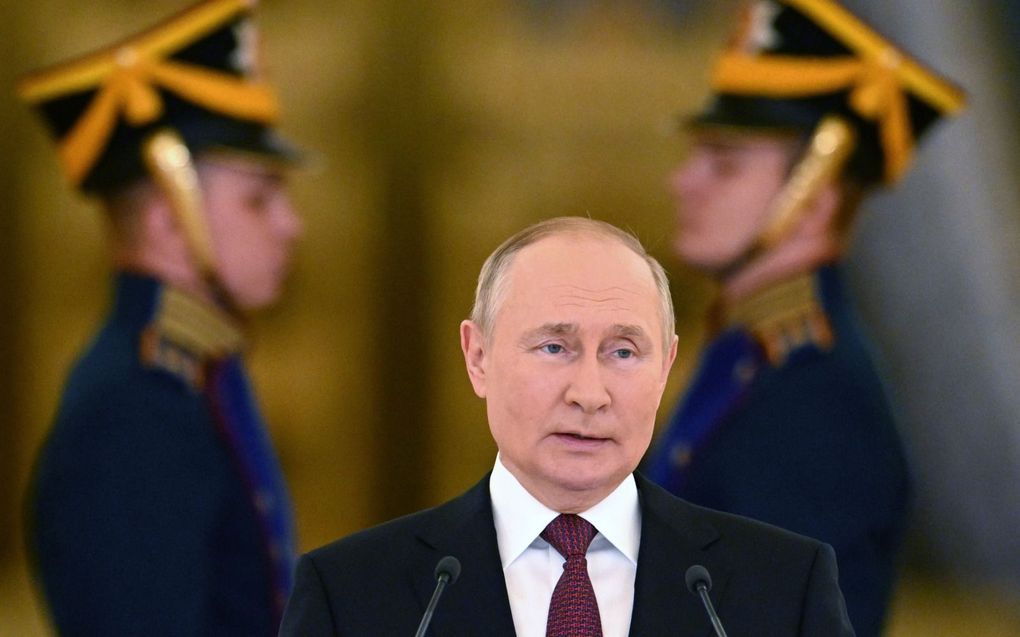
(472, 343)
(158, 219)
(161, 246)
(670, 358)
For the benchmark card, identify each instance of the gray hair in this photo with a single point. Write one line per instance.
(492, 279)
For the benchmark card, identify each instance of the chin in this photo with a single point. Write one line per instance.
(582, 478)
(254, 302)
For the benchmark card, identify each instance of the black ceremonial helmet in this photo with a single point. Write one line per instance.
(813, 68)
(148, 104)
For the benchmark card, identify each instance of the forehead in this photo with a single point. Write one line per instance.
(574, 278)
(236, 168)
(724, 139)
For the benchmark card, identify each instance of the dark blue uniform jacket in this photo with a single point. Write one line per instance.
(807, 443)
(157, 507)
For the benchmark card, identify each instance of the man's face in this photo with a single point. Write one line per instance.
(574, 368)
(723, 192)
(253, 227)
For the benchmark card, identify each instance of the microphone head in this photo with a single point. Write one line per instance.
(696, 576)
(450, 567)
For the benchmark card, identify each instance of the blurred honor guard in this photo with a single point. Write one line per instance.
(786, 420)
(158, 506)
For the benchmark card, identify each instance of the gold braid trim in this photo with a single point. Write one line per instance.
(158, 41)
(831, 144)
(196, 326)
(878, 78)
(858, 37)
(185, 335)
(784, 317)
(129, 75)
(169, 162)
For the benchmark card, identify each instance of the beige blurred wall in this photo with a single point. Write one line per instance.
(438, 127)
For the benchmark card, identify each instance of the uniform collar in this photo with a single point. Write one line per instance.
(196, 325)
(180, 333)
(782, 317)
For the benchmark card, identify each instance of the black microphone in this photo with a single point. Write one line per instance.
(699, 582)
(447, 572)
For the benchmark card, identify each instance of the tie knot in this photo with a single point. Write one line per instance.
(570, 535)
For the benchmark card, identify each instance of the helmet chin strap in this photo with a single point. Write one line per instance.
(170, 163)
(830, 146)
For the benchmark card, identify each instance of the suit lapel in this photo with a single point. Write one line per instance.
(477, 603)
(673, 539)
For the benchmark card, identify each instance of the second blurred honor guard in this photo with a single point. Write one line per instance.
(158, 506)
(786, 419)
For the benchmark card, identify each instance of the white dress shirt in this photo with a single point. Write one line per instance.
(531, 566)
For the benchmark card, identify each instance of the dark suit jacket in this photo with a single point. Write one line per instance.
(767, 582)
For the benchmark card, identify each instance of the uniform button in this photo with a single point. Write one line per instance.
(264, 501)
(744, 370)
(680, 455)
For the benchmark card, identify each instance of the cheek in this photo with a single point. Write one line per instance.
(641, 407)
(520, 395)
(225, 233)
(737, 213)
(758, 191)
(522, 399)
(715, 213)
(243, 246)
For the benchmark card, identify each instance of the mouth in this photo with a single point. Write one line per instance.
(579, 441)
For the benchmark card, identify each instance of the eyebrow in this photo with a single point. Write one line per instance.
(564, 329)
(727, 146)
(550, 329)
(628, 331)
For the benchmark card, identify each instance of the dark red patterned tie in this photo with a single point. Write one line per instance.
(573, 612)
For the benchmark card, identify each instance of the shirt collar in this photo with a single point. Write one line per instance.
(520, 518)
(618, 518)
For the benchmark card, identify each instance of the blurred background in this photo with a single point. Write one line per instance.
(443, 126)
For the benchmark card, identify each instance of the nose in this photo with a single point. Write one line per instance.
(587, 389)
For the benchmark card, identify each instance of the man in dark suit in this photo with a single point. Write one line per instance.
(570, 343)
(157, 505)
(786, 420)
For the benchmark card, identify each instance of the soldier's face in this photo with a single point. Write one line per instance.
(723, 192)
(253, 227)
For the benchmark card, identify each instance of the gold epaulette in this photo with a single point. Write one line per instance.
(784, 317)
(186, 333)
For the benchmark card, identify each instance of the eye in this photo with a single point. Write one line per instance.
(725, 166)
(257, 202)
(552, 348)
(624, 353)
